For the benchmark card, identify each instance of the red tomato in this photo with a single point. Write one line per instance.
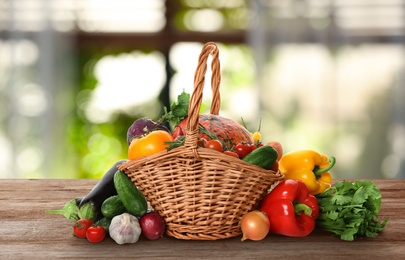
(95, 234)
(231, 153)
(243, 149)
(215, 145)
(201, 141)
(80, 227)
(255, 146)
(152, 143)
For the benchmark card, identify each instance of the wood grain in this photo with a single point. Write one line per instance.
(26, 232)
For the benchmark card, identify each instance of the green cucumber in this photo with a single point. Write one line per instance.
(264, 156)
(112, 207)
(133, 200)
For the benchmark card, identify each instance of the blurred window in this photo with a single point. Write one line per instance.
(85, 15)
(320, 73)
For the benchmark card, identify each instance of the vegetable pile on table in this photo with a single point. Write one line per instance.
(303, 201)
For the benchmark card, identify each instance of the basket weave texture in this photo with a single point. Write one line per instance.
(200, 193)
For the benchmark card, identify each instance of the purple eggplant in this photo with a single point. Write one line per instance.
(103, 189)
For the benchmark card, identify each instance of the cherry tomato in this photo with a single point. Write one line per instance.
(242, 149)
(253, 147)
(257, 136)
(215, 145)
(201, 141)
(95, 234)
(152, 143)
(231, 153)
(80, 227)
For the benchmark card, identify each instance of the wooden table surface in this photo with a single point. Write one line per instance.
(26, 232)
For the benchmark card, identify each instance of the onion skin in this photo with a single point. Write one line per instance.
(143, 126)
(152, 225)
(255, 225)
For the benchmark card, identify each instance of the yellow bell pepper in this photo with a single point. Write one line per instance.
(310, 167)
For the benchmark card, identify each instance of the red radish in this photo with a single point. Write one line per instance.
(152, 225)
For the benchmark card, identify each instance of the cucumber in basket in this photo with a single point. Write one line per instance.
(133, 200)
(263, 156)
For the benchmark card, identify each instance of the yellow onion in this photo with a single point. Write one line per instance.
(255, 225)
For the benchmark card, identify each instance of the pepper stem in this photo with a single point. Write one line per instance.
(301, 207)
(319, 171)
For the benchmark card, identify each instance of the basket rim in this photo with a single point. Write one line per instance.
(200, 154)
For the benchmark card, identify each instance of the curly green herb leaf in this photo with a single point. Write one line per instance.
(350, 210)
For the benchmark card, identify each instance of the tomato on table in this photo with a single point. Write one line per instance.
(95, 234)
(80, 227)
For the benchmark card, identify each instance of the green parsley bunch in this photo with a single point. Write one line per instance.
(350, 210)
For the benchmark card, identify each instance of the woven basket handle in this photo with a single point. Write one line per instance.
(210, 48)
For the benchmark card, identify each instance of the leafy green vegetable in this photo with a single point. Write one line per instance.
(70, 210)
(88, 211)
(203, 130)
(178, 110)
(177, 143)
(350, 210)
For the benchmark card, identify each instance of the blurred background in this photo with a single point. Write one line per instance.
(319, 74)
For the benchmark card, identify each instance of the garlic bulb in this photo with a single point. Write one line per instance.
(125, 229)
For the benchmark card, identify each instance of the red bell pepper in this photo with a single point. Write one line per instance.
(291, 210)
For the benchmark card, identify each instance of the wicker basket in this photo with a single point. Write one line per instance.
(201, 194)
